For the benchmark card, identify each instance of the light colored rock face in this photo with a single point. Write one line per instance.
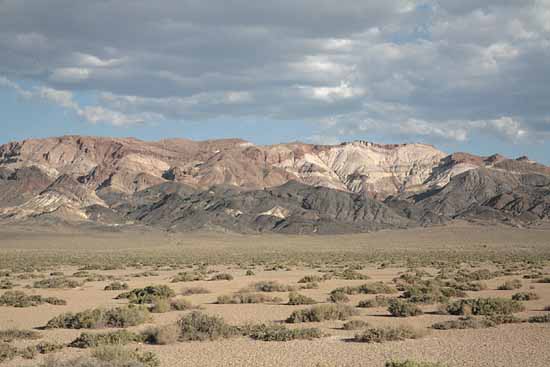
(129, 165)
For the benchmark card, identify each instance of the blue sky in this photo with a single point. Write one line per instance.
(464, 76)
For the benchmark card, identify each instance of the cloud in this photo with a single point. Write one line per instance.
(431, 69)
(91, 114)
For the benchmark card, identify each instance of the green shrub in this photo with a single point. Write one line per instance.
(525, 296)
(100, 318)
(368, 288)
(93, 340)
(464, 276)
(222, 276)
(249, 273)
(57, 282)
(539, 319)
(389, 333)
(510, 285)
(338, 297)
(350, 274)
(322, 312)
(273, 332)
(147, 294)
(188, 276)
(379, 301)
(272, 286)
(116, 286)
(247, 298)
(401, 308)
(299, 299)
(464, 323)
(198, 326)
(20, 299)
(194, 290)
(355, 325)
(484, 306)
(410, 363)
(119, 356)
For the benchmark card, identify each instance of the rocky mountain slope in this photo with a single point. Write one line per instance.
(235, 185)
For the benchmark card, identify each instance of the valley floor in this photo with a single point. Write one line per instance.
(145, 257)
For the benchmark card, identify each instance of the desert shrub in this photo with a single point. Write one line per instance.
(367, 288)
(222, 276)
(272, 286)
(162, 335)
(119, 356)
(299, 299)
(525, 296)
(7, 352)
(544, 280)
(311, 285)
(188, 276)
(464, 276)
(194, 290)
(249, 273)
(464, 323)
(198, 326)
(145, 274)
(93, 340)
(401, 308)
(504, 319)
(116, 286)
(20, 299)
(379, 301)
(181, 305)
(539, 318)
(160, 305)
(355, 325)
(468, 286)
(6, 284)
(247, 298)
(57, 282)
(313, 278)
(9, 335)
(47, 347)
(510, 285)
(338, 297)
(322, 312)
(147, 294)
(389, 333)
(280, 333)
(484, 306)
(426, 294)
(410, 363)
(350, 274)
(99, 318)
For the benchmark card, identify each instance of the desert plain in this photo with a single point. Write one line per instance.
(427, 270)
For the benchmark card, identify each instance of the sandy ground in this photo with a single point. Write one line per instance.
(505, 345)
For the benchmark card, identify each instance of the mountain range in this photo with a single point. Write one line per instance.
(234, 185)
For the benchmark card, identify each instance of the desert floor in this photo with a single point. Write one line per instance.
(382, 256)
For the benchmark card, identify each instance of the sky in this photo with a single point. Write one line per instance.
(462, 75)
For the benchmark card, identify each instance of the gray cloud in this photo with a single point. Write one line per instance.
(436, 69)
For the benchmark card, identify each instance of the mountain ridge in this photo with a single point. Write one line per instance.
(350, 187)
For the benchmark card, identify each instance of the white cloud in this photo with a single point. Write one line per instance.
(70, 75)
(441, 69)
